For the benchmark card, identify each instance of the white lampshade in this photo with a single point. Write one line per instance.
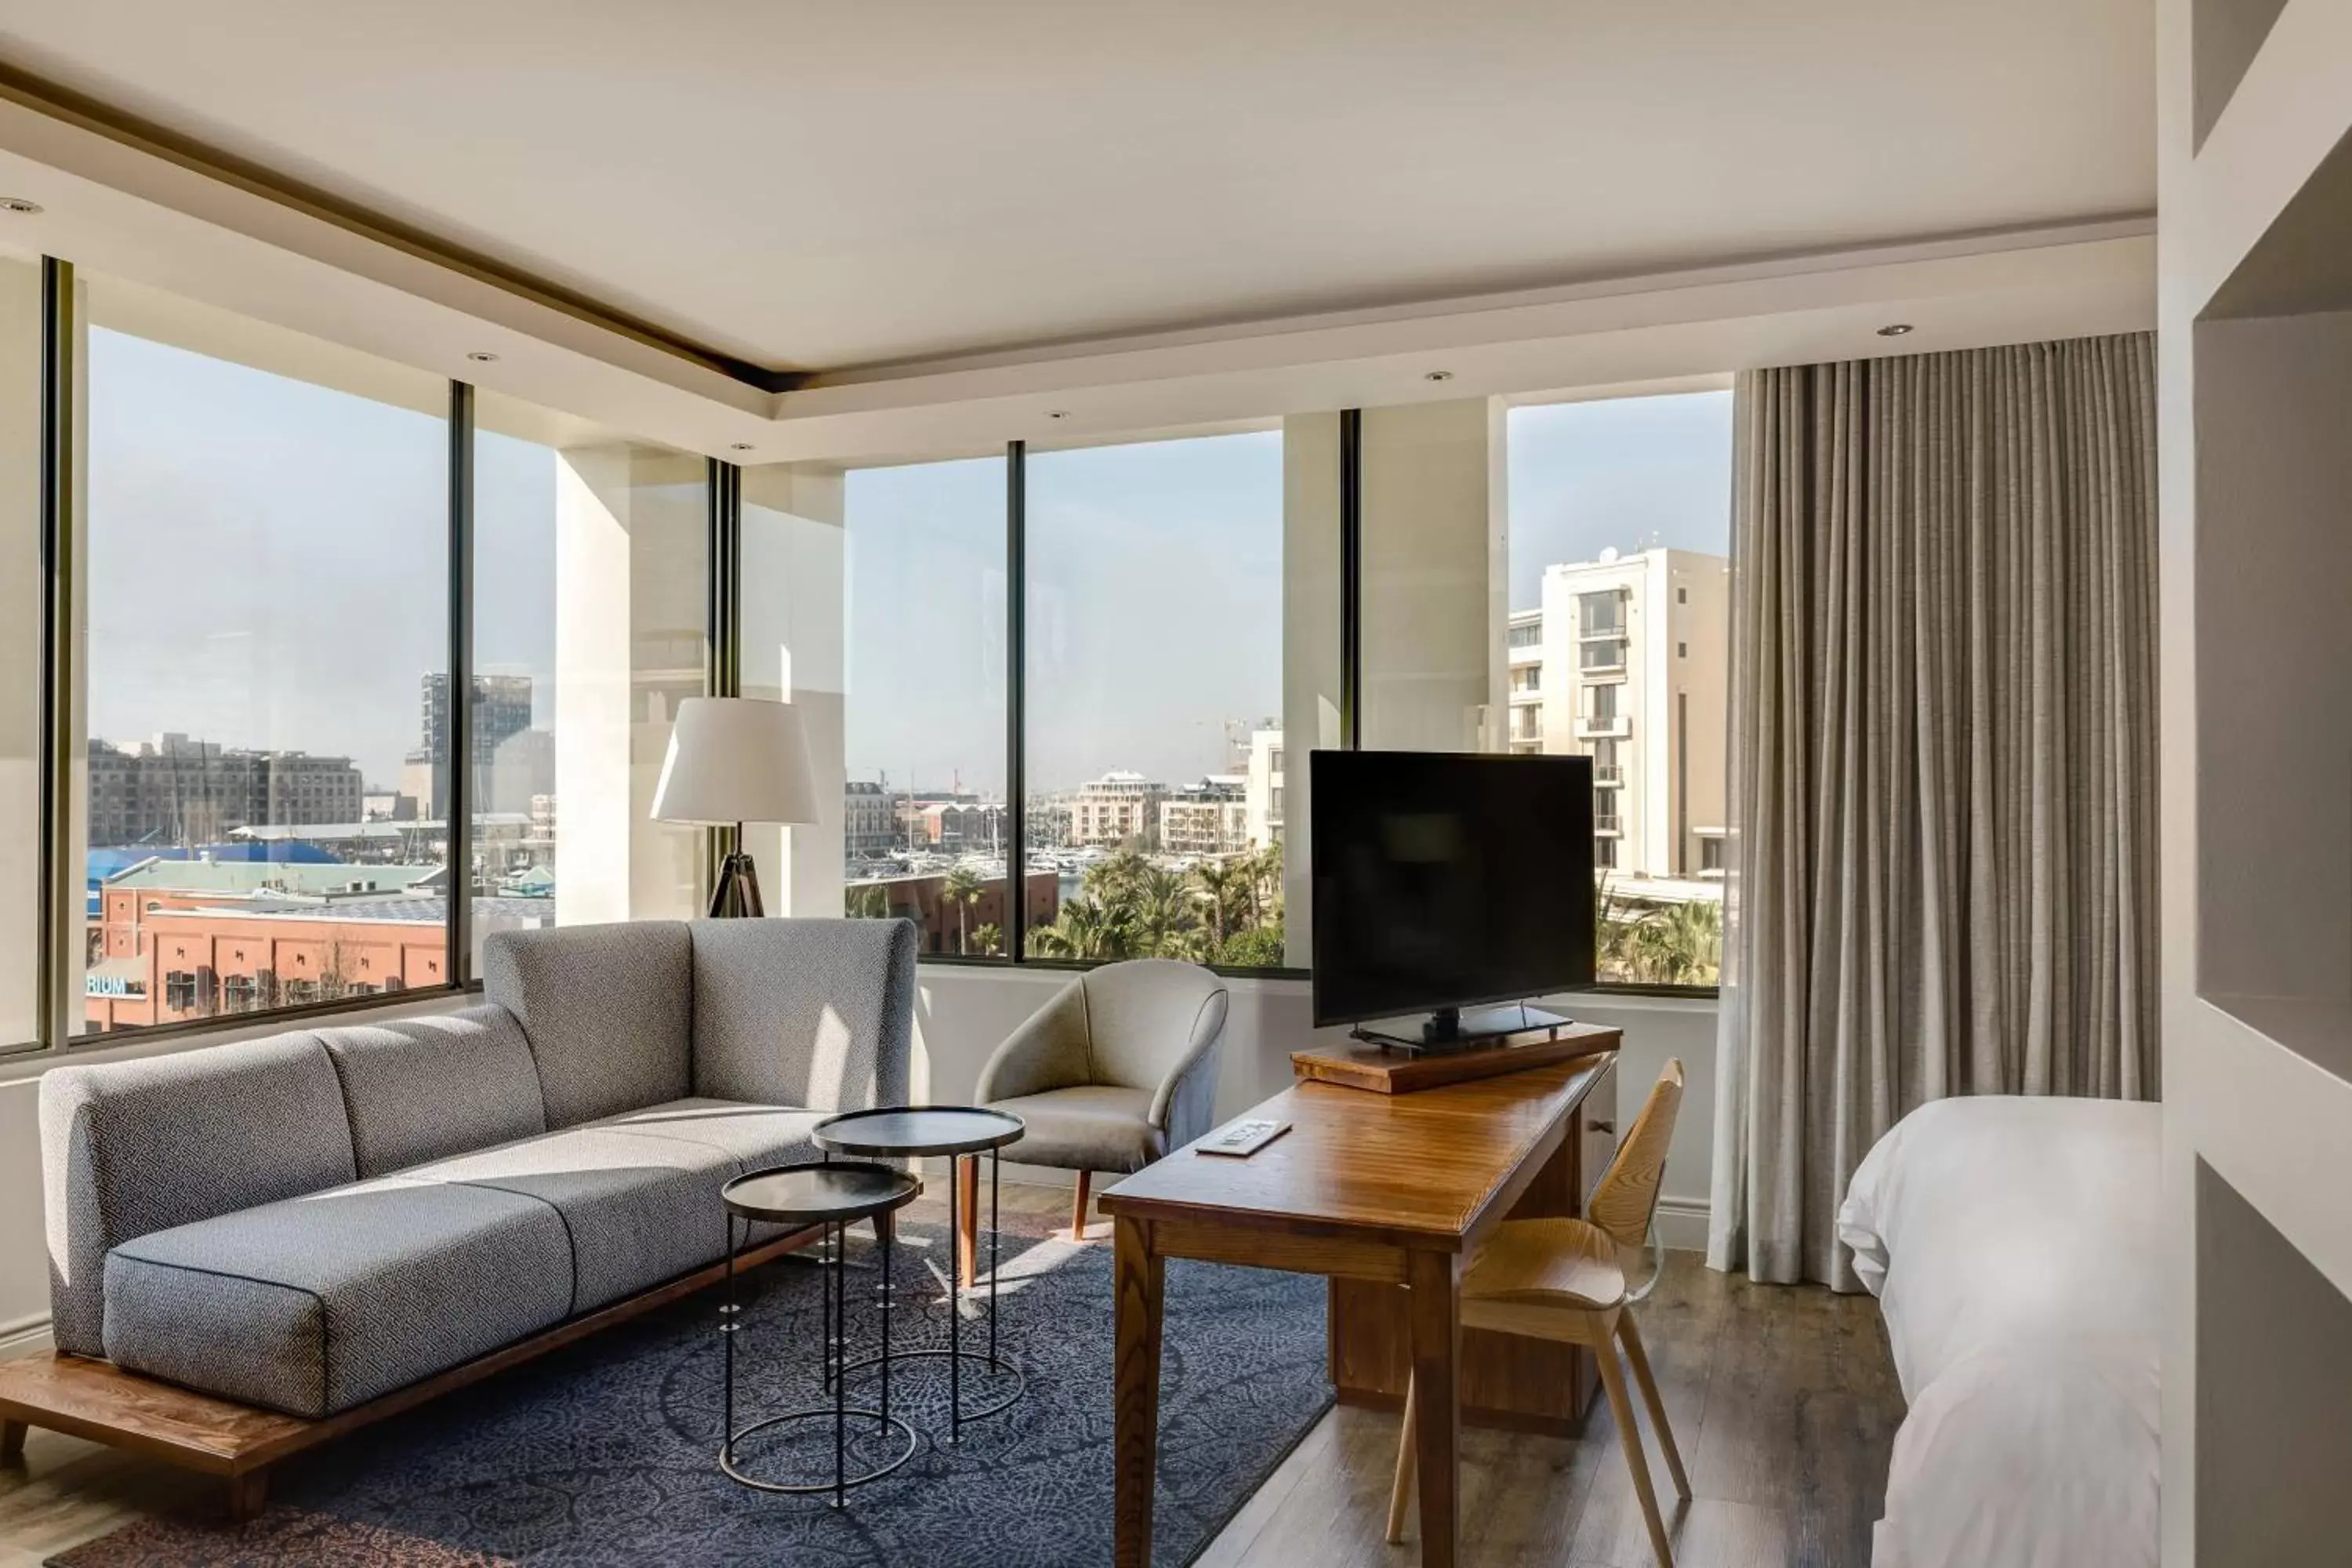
(735, 759)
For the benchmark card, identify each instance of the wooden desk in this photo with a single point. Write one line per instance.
(1373, 1191)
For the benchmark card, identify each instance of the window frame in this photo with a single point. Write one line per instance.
(61, 928)
(1016, 956)
(62, 882)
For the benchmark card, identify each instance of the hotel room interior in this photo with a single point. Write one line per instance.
(1267, 785)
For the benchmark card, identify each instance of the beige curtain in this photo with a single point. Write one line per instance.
(1943, 752)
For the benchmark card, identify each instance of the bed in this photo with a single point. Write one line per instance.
(2012, 1245)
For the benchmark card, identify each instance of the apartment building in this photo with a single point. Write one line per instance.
(175, 790)
(869, 821)
(1628, 661)
(1115, 809)
(1263, 789)
(1211, 817)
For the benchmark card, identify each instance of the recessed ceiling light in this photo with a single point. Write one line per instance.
(738, 446)
(1438, 375)
(1057, 414)
(483, 356)
(1897, 330)
(18, 204)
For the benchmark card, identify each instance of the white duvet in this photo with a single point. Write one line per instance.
(2012, 1245)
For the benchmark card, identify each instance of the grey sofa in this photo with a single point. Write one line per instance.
(310, 1221)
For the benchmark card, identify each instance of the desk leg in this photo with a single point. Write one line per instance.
(1436, 1310)
(1136, 1273)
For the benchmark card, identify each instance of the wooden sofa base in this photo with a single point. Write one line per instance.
(99, 1401)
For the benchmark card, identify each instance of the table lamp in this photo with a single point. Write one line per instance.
(734, 760)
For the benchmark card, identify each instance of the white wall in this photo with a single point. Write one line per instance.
(961, 1013)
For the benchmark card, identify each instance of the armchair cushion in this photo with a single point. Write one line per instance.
(1092, 1128)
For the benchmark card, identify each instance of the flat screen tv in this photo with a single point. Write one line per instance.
(1446, 881)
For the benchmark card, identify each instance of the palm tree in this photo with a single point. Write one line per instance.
(1682, 944)
(962, 889)
(866, 902)
(1223, 892)
(989, 938)
(1162, 912)
(1086, 929)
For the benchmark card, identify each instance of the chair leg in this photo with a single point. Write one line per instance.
(1629, 1438)
(1401, 1495)
(1640, 1359)
(1079, 1209)
(967, 1175)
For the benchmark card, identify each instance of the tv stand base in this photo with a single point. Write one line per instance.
(1450, 1029)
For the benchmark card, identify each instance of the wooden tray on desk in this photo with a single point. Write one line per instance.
(1381, 1072)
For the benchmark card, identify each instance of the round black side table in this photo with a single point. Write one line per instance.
(835, 1195)
(958, 1131)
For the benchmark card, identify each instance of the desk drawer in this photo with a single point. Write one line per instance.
(1598, 1129)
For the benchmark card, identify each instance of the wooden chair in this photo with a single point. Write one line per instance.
(1560, 1280)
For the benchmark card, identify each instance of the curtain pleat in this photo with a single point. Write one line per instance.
(1941, 865)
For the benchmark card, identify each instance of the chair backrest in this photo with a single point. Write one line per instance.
(1146, 1015)
(1627, 1195)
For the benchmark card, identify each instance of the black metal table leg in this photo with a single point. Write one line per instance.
(994, 1218)
(955, 1300)
(840, 1366)
(730, 1315)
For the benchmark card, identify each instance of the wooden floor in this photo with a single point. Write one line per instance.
(1783, 1400)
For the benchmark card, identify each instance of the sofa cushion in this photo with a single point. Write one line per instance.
(128, 1148)
(422, 1089)
(816, 1013)
(608, 1010)
(753, 1136)
(1096, 1127)
(640, 1209)
(316, 1304)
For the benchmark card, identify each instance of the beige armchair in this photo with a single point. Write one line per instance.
(1120, 1067)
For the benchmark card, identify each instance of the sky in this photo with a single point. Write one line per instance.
(1631, 472)
(268, 558)
(266, 570)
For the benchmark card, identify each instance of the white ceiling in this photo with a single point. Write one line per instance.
(829, 185)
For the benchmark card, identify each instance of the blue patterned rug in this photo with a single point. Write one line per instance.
(604, 1453)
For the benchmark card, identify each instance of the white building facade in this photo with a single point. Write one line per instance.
(1628, 661)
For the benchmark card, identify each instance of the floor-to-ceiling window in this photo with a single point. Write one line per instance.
(926, 825)
(1154, 694)
(263, 577)
(1619, 648)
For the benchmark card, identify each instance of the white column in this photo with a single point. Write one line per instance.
(794, 640)
(630, 642)
(1436, 559)
(1310, 647)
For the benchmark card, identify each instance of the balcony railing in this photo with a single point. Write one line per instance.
(1611, 825)
(1592, 630)
(1608, 774)
(1615, 728)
